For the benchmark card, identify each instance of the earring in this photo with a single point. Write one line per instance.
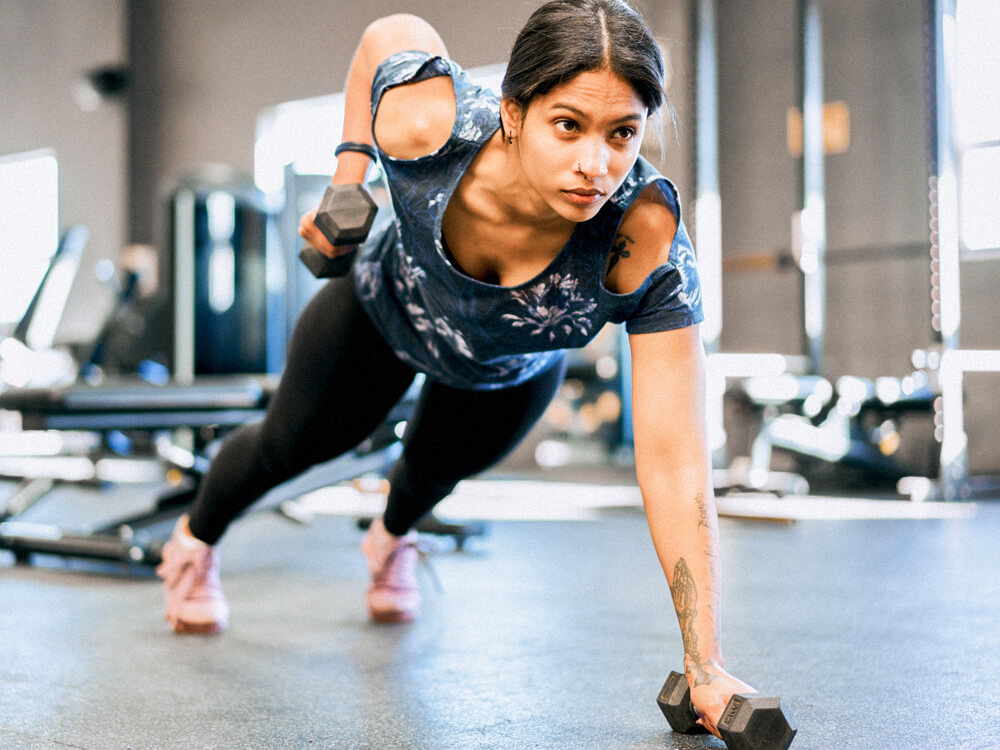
(510, 138)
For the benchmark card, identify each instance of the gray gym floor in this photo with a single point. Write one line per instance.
(548, 634)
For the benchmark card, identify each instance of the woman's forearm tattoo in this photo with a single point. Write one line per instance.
(699, 500)
(685, 595)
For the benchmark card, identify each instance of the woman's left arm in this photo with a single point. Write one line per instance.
(673, 466)
(672, 457)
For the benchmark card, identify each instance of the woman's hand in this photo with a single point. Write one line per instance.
(711, 689)
(311, 234)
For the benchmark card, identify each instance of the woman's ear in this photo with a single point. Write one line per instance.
(511, 115)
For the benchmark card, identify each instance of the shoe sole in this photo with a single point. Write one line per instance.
(197, 628)
(392, 617)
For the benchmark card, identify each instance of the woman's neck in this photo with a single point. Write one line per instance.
(499, 181)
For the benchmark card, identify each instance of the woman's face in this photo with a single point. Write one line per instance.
(579, 141)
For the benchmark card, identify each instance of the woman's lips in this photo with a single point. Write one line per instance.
(584, 196)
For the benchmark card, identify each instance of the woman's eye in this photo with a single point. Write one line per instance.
(625, 133)
(566, 126)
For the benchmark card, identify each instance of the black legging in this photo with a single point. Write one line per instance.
(340, 381)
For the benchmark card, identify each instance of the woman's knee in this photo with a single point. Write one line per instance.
(276, 453)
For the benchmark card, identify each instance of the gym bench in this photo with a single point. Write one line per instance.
(215, 403)
(126, 406)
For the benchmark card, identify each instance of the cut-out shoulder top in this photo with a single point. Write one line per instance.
(470, 334)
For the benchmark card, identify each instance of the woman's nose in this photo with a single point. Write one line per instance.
(592, 162)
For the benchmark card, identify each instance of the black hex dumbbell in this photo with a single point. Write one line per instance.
(344, 217)
(750, 722)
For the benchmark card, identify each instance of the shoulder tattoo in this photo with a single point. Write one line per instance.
(619, 249)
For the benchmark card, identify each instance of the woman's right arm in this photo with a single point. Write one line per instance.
(412, 120)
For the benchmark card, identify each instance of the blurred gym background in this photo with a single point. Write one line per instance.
(838, 163)
(839, 171)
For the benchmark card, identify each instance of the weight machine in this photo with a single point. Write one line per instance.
(847, 422)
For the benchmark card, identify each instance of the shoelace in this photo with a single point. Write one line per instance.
(423, 556)
(175, 573)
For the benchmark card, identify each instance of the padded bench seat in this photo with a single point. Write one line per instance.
(133, 404)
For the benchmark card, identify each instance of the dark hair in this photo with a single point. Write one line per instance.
(566, 37)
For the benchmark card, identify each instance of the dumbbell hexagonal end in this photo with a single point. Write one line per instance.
(324, 267)
(674, 701)
(756, 722)
(345, 214)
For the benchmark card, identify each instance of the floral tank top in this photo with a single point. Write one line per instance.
(474, 335)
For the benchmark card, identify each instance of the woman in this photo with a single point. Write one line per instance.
(522, 225)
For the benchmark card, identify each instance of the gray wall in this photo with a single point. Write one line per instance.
(876, 192)
(45, 46)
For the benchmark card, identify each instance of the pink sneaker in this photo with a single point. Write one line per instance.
(190, 573)
(392, 560)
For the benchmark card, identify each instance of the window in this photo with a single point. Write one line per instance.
(977, 121)
(29, 227)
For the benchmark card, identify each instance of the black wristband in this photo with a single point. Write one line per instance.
(361, 148)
